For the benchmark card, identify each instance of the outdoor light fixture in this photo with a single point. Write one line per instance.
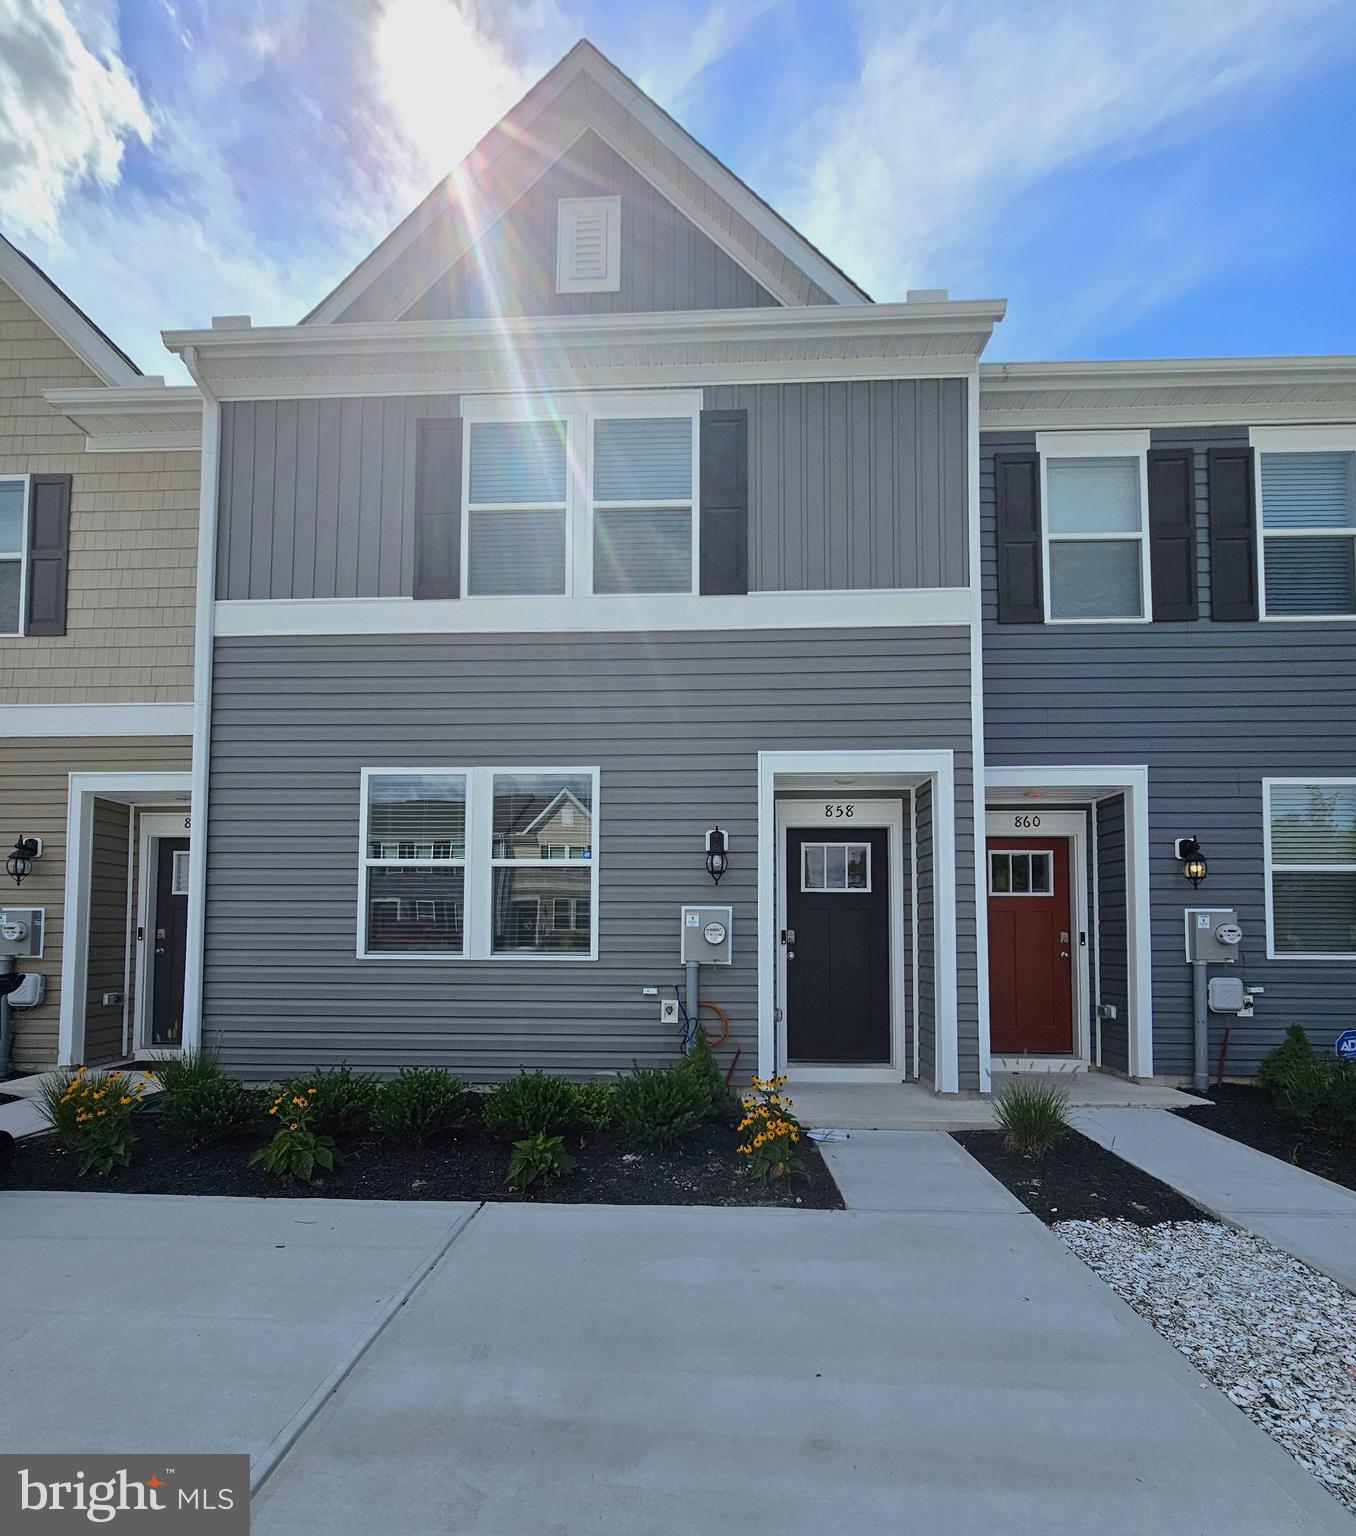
(20, 862)
(1194, 867)
(717, 860)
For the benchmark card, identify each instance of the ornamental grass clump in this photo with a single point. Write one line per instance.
(92, 1114)
(198, 1099)
(298, 1148)
(418, 1103)
(1034, 1116)
(769, 1131)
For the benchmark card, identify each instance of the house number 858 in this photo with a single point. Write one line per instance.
(839, 810)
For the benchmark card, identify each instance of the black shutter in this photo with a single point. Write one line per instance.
(725, 501)
(1172, 533)
(49, 544)
(437, 508)
(1233, 535)
(1017, 499)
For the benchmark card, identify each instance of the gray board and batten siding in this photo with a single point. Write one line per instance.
(674, 721)
(1212, 708)
(851, 486)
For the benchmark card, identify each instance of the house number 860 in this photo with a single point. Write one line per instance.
(1026, 821)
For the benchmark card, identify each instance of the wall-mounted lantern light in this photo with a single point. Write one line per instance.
(19, 864)
(717, 855)
(1194, 867)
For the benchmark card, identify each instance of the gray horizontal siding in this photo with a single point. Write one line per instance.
(1212, 708)
(667, 263)
(675, 721)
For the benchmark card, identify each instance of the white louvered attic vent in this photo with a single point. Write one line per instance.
(588, 251)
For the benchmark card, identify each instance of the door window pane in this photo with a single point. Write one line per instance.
(1092, 495)
(1000, 874)
(835, 867)
(642, 549)
(1095, 580)
(530, 909)
(1020, 873)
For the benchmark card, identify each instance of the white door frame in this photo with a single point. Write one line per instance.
(864, 772)
(154, 825)
(870, 813)
(1092, 783)
(82, 789)
(1051, 825)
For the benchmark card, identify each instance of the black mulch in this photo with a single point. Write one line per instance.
(1249, 1115)
(702, 1168)
(1079, 1181)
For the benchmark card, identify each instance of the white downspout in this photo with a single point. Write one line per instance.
(977, 759)
(203, 633)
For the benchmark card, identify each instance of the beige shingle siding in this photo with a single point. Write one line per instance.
(133, 541)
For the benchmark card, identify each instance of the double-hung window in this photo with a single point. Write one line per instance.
(1307, 479)
(1094, 508)
(478, 863)
(1311, 867)
(13, 543)
(582, 494)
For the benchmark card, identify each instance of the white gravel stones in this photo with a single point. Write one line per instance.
(1276, 1337)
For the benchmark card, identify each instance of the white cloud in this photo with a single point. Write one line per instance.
(66, 113)
(961, 106)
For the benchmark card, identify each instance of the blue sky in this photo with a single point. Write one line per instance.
(1139, 178)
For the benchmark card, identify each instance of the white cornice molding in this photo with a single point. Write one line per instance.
(62, 317)
(140, 419)
(585, 351)
(43, 720)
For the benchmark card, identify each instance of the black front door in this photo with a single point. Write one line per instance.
(838, 945)
(169, 930)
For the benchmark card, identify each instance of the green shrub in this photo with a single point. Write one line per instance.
(91, 1112)
(594, 1105)
(418, 1104)
(1310, 1090)
(659, 1104)
(298, 1148)
(535, 1156)
(198, 1098)
(1034, 1116)
(531, 1104)
(1293, 1056)
(342, 1099)
(700, 1063)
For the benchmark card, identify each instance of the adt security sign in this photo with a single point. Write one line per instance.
(1345, 1048)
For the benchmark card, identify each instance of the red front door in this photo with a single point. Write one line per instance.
(1030, 953)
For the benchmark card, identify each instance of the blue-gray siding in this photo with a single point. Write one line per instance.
(851, 486)
(1212, 709)
(667, 263)
(675, 722)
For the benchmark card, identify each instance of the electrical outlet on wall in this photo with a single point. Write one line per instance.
(668, 1010)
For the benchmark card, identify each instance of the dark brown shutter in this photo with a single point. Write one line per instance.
(1172, 533)
(1233, 535)
(49, 544)
(725, 501)
(437, 508)
(1017, 500)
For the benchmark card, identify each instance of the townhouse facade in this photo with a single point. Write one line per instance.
(599, 578)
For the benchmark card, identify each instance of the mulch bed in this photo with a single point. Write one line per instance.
(1078, 1181)
(1249, 1115)
(702, 1168)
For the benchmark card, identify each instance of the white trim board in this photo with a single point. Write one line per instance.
(879, 608)
(1092, 782)
(60, 315)
(96, 720)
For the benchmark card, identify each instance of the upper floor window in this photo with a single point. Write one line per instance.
(13, 541)
(1311, 867)
(1308, 522)
(582, 494)
(1094, 501)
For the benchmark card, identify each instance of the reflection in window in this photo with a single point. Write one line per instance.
(414, 862)
(835, 867)
(542, 845)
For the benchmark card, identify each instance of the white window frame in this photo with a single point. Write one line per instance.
(1130, 444)
(1295, 440)
(1022, 853)
(479, 864)
(25, 516)
(569, 210)
(1271, 868)
(579, 412)
(835, 890)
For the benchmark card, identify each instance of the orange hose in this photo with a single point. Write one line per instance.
(723, 1037)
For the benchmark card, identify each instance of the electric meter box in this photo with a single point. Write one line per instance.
(708, 935)
(1212, 935)
(21, 932)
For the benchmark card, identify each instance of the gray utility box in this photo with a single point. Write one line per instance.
(21, 932)
(1212, 935)
(708, 935)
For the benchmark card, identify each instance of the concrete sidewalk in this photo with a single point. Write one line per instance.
(1312, 1218)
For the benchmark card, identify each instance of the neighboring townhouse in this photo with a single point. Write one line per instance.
(99, 494)
(597, 537)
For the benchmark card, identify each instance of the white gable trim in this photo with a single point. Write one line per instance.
(60, 316)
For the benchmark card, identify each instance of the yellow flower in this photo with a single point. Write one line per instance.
(274, 1110)
(124, 1100)
(294, 1126)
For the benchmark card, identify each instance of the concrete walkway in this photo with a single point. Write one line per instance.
(413, 1368)
(1312, 1218)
